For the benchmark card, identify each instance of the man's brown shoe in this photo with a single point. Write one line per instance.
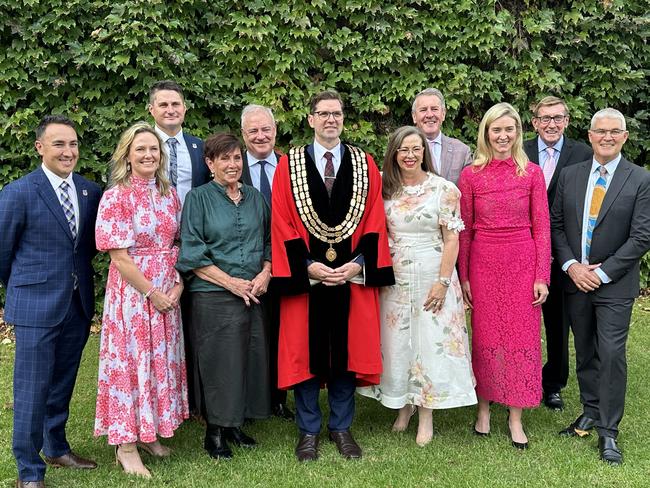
(30, 484)
(307, 448)
(346, 444)
(70, 460)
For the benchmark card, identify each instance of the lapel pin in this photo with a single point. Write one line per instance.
(194, 145)
(84, 193)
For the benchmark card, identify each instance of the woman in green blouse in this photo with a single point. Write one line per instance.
(226, 245)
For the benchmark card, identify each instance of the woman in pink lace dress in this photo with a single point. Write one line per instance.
(142, 387)
(504, 263)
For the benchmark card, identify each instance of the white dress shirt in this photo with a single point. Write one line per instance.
(255, 168)
(543, 155)
(591, 183)
(183, 161)
(56, 181)
(319, 158)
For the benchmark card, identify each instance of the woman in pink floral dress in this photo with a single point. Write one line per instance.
(504, 264)
(142, 389)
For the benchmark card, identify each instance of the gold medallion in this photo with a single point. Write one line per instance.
(330, 254)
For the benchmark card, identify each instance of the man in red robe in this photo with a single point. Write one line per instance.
(330, 255)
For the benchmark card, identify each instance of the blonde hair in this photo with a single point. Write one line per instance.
(484, 153)
(120, 166)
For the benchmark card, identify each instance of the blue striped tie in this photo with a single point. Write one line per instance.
(173, 161)
(68, 209)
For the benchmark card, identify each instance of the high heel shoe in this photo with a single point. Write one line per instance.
(479, 433)
(155, 449)
(398, 427)
(138, 470)
(517, 445)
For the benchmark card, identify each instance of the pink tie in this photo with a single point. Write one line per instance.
(432, 144)
(549, 166)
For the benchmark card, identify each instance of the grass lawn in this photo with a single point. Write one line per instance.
(455, 457)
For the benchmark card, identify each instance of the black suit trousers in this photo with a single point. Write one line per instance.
(600, 328)
(556, 324)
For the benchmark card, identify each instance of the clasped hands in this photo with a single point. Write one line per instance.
(584, 276)
(249, 290)
(333, 277)
(166, 302)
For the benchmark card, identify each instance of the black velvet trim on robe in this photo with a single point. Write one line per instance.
(373, 276)
(298, 282)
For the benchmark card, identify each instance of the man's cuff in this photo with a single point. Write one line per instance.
(565, 266)
(359, 260)
(602, 275)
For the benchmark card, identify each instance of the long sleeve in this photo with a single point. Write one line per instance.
(194, 252)
(540, 225)
(12, 218)
(467, 214)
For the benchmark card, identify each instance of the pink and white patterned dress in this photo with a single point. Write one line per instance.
(142, 385)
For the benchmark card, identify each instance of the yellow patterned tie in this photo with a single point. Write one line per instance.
(597, 198)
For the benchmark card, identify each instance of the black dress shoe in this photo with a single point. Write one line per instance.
(307, 447)
(216, 444)
(282, 411)
(580, 427)
(238, 437)
(609, 451)
(345, 443)
(553, 400)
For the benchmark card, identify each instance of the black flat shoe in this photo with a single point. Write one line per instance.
(609, 451)
(215, 443)
(239, 438)
(282, 411)
(580, 427)
(553, 401)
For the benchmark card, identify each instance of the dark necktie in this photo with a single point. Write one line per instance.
(173, 161)
(329, 172)
(265, 187)
(68, 209)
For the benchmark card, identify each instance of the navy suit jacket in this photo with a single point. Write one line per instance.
(621, 235)
(246, 172)
(39, 259)
(573, 152)
(200, 170)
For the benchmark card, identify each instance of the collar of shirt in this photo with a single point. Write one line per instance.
(436, 140)
(319, 157)
(252, 160)
(610, 167)
(164, 136)
(55, 180)
(541, 149)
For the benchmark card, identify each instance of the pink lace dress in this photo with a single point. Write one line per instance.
(142, 386)
(504, 249)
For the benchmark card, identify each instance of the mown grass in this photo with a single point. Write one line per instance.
(455, 458)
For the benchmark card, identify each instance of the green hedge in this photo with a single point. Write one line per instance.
(95, 59)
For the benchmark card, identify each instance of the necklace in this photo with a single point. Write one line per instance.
(315, 226)
(237, 197)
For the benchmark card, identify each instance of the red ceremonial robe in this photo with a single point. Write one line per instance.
(293, 246)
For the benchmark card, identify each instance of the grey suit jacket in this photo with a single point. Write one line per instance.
(454, 156)
(573, 152)
(622, 233)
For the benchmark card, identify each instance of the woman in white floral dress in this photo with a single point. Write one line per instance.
(425, 349)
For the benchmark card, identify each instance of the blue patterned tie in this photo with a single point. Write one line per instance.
(597, 198)
(265, 187)
(173, 161)
(68, 209)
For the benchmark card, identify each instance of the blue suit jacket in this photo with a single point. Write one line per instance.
(200, 170)
(39, 259)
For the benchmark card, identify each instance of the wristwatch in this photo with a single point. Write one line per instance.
(445, 281)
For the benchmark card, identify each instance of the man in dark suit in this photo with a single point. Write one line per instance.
(260, 160)
(600, 227)
(187, 169)
(46, 247)
(553, 151)
(449, 155)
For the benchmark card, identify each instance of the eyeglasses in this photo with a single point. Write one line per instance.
(603, 132)
(324, 115)
(404, 151)
(546, 119)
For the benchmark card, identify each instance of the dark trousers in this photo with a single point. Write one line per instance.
(45, 370)
(232, 358)
(271, 303)
(555, 372)
(194, 394)
(340, 393)
(600, 327)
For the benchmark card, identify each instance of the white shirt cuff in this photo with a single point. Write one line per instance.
(566, 265)
(602, 275)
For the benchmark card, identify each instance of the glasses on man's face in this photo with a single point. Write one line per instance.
(603, 132)
(546, 119)
(324, 115)
(404, 151)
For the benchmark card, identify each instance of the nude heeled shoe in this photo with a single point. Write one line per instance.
(129, 451)
(402, 426)
(155, 449)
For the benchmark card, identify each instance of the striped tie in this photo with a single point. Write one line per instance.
(597, 198)
(329, 173)
(68, 209)
(173, 161)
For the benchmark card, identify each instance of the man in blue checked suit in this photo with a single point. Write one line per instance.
(46, 247)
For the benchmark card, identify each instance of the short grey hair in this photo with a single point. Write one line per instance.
(608, 113)
(249, 109)
(427, 92)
